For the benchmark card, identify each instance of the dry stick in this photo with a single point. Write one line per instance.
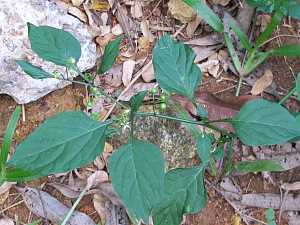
(23, 113)
(11, 206)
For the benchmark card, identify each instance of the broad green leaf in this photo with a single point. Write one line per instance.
(258, 166)
(204, 147)
(206, 13)
(190, 180)
(10, 130)
(266, 34)
(137, 100)
(270, 216)
(170, 210)
(261, 122)
(174, 67)
(54, 45)
(63, 142)
(111, 52)
(287, 50)
(33, 71)
(298, 86)
(137, 173)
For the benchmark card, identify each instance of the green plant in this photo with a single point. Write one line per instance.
(255, 55)
(72, 139)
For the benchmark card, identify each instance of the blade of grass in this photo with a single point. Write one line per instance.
(266, 34)
(12, 124)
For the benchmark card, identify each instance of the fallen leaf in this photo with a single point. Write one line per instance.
(128, 68)
(96, 178)
(99, 205)
(137, 10)
(77, 3)
(192, 26)
(68, 191)
(262, 83)
(136, 88)
(236, 220)
(148, 73)
(213, 39)
(181, 11)
(6, 221)
(216, 108)
(74, 11)
(44, 205)
(107, 190)
(203, 52)
(99, 5)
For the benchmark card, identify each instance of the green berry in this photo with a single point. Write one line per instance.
(162, 106)
(162, 98)
(153, 91)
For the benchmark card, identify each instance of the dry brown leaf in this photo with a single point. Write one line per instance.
(137, 10)
(213, 39)
(74, 11)
(107, 190)
(104, 40)
(99, 5)
(262, 83)
(192, 26)
(136, 88)
(77, 3)
(4, 191)
(6, 221)
(216, 108)
(181, 11)
(203, 52)
(148, 74)
(45, 206)
(96, 178)
(128, 68)
(99, 205)
(68, 191)
(93, 27)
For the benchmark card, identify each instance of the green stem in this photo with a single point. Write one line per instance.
(74, 206)
(203, 123)
(237, 93)
(291, 92)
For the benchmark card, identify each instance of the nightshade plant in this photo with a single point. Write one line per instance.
(72, 139)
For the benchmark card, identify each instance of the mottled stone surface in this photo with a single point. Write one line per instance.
(14, 44)
(173, 138)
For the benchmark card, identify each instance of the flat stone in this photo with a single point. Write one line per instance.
(14, 44)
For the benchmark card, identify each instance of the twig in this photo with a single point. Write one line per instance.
(23, 113)
(11, 206)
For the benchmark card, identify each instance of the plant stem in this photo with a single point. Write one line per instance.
(203, 123)
(237, 93)
(74, 206)
(291, 92)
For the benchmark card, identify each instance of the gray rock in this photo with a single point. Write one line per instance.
(14, 44)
